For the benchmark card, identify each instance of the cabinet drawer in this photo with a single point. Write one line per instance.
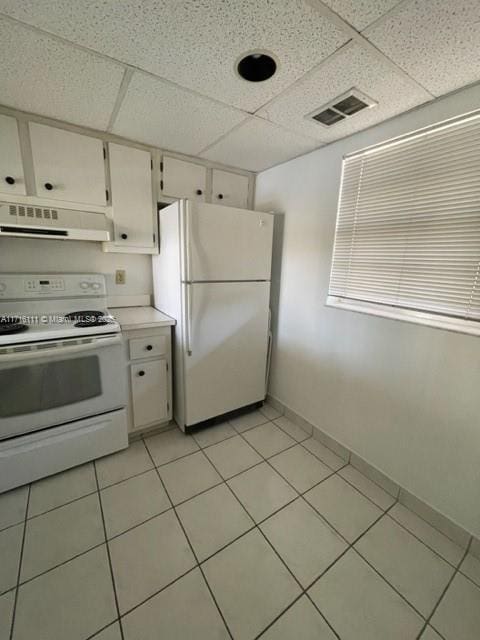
(147, 347)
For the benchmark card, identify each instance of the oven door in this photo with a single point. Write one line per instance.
(47, 384)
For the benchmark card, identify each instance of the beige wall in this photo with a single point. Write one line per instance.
(404, 397)
(25, 254)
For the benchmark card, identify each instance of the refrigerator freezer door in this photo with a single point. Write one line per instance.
(223, 243)
(226, 328)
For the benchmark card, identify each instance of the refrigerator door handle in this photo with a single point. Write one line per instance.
(188, 240)
(188, 318)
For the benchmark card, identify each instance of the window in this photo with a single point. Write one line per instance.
(407, 241)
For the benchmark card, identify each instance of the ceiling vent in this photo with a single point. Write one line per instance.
(342, 108)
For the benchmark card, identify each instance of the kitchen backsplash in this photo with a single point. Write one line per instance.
(31, 255)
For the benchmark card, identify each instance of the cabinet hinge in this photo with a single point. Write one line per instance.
(104, 153)
(167, 366)
(151, 163)
(108, 195)
(161, 185)
(161, 167)
(154, 243)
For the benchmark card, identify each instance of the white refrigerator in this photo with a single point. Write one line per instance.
(212, 275)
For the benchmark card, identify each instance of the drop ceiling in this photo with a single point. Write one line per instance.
(163, 71)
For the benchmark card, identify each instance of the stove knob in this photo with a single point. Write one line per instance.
(95, 285)
(84, 285)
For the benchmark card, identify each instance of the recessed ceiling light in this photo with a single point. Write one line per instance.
(256, 67)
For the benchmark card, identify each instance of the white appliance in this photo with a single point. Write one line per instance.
(62, 375)
(55, 223)
(213, 276)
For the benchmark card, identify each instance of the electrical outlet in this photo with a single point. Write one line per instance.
(120, 276)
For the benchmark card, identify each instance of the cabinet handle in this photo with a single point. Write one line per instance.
(141, 373)
(220, 196)
(48, 186)
(149, 347)
(199, 192)
(124, 236)
(10, 180)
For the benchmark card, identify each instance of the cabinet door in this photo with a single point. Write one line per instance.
(149, 392)
(230, 189)
(183, 179)
(11, 170)
(68, 166)
(132, 198)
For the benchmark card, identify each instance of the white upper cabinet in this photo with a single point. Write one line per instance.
(68, 166)
(182, 179)
(132, 196)
(229, 189)
(12, 179)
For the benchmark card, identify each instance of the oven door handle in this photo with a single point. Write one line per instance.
(61, 350)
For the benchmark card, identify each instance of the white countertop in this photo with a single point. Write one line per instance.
(140, 318)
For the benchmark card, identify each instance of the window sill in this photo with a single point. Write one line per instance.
(470, 327)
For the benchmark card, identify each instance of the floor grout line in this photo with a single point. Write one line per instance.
(114, 587)
(256, 525)
(20, 561)
(442, 595)
(194, 553)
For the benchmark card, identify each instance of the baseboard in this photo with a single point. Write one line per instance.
(425, 511)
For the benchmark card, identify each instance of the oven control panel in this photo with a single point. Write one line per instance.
(45, 285)
(28, 286)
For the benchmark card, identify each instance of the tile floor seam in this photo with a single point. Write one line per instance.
(197, 564)
(64, 504)
(112, 577)
(255, 525)
(454, 566)
(303, 591)
(302, 444)
(274, 550)
(297, 425)
(377, 571)
(163, 464)
(156, 593)
(395, 500)
(20, 561)
(60, 564)
(395, 497)
(442, 595)
(250, 428)
(94, 635)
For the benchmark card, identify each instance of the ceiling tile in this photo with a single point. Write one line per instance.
(361, 13)
(436, 42)
(351, 67)
(191, 42)
(257, 145)
(162, 114)
(40, 74)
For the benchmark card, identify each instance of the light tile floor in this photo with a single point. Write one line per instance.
(246, 529)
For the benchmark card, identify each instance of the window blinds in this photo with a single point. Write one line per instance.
(408, 223)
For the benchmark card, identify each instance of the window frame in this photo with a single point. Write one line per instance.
(394, 312)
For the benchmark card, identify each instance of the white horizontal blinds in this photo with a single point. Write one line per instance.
(408, 224)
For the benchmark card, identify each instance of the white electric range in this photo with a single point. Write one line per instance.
(63, 384)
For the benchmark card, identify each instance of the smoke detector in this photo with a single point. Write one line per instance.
(342, 108)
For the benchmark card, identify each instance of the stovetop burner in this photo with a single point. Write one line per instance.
(88, 318)
(11, 324)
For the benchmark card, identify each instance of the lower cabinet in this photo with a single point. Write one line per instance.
(149, 362)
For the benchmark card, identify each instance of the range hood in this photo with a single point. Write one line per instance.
(29, 221)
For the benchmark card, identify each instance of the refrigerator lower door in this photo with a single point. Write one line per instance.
(226, 343)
